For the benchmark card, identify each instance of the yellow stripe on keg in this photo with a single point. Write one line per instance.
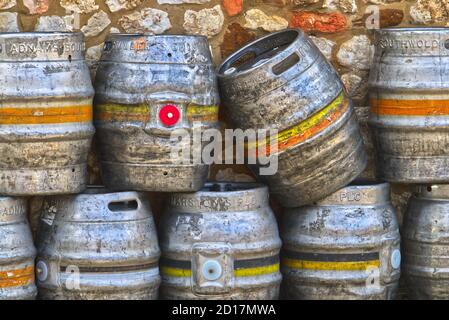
(202, 113)
(46, 115)
(175, 272)
(258, 271)
(242, 268)
(330, 265)
(141, 112)
(16, 278)
(309, 127)
(122, 112)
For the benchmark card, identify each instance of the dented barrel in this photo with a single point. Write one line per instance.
(45, 113)
(147, 89)
(220, 243)
(345, 247)
(409, 100)
(282, 82)
(17, 252)
(98, 246)
(425, 241)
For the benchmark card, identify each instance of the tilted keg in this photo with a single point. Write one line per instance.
(17, 252)
(220, 243)
(98, 246)
(45, 113)
(150, 91)
(343, 247)
(282, 82)
(409, 97)
(426, 242)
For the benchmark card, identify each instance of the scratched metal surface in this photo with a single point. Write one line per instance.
(333, 249)
(409, 83)
(46, 114)
(98, 246)
(152, 72)
(283, 81)
(223, 223)
(17, 251)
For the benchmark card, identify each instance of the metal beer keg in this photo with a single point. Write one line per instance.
(343, 247)
(98, 246)
(283, 82)
(17, 252)
(148, 88)
(409, 97)
(220, 243)
(45, 113)
(425, 243)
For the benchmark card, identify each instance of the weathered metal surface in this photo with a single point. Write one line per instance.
(98, 246)
(409, 100)
(425, 242)
(146, 88)
(344, 247)
(45, 113)
(17, 252)
(220, 243)
(286, 84)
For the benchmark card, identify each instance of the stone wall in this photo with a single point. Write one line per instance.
(340, 28)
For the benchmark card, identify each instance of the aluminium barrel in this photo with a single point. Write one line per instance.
(425, 241)
(17, 251)
(148, 88)
(46, 123)
(282, 82)
(220, 243)
(98, 245)
(344, 247)
(409, 100)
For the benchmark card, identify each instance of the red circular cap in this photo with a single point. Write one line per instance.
(169, 115)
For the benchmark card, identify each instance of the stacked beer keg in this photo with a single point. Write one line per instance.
(217, 240)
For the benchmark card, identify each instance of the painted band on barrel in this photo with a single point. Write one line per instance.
(330, 261)
(397, 107)
(242, 268)
(17, 277)
(141, 113)
(46, 115)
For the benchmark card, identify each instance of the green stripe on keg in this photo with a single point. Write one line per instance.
(334, 257)
(111, 269)
(242, 268)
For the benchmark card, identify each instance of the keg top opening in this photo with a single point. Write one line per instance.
(360, 192)
(433, 191)
(258, 53)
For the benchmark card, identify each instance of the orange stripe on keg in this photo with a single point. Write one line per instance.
(16, 278)
(51, 115)
(396, 107)
(309, 127)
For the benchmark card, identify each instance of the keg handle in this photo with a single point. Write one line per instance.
(286, 64)
(124, 205)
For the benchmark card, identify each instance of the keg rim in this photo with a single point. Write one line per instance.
(43, 33)
(413, 29)
(370, 191)
(129, 35)
(101, 190)
(227, 63)
(237, 187)
(432, 191)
